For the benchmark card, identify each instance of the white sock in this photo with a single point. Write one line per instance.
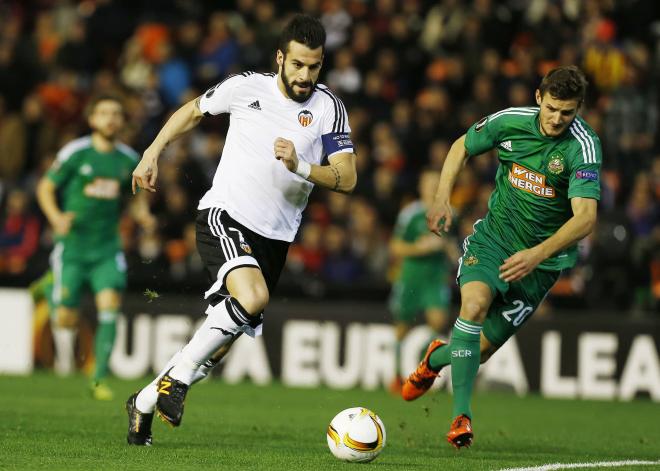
(204, 370)
(65, 342)
(146, 398)
(224, 321)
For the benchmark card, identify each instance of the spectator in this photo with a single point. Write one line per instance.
(19, 236)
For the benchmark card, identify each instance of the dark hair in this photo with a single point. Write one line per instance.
(565, 83)
(303, 29)
(95, 100)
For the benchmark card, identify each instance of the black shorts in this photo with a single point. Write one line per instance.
(225, 244)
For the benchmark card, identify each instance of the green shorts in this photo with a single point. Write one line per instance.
(513, 303)
(71, 276)
(408, 300)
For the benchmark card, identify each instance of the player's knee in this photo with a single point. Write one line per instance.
(108, 299)
(66, 318)
(474, 309)
(254, 298)
(437, 322)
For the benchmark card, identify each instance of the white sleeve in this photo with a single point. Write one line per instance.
(218, 98)
(335, 132)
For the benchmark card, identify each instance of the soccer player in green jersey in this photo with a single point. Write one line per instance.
(422, 285)
(545, 201)
(89, 175)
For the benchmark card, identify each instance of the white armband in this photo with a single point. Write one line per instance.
(304, 169)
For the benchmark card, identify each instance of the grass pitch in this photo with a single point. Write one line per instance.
(50, 423)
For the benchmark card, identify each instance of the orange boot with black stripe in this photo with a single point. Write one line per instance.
(423, 377)
(460, 433)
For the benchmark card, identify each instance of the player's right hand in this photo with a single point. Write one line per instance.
(62, 223)
(146, 173)
(439, 217)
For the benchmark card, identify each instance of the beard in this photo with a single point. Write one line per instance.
(109, 134)
(301, 97)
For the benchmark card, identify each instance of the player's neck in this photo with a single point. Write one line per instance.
(281, 87)
(102, 144)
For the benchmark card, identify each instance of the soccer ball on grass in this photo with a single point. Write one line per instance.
(356, 435)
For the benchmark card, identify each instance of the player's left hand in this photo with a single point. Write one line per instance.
(146, 172)
(286, 152)
(520, 264)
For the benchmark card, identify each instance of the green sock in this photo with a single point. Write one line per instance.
(440, 358)
(465, 356)
(103, 343)
(397, 358)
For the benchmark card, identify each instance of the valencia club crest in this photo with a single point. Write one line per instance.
(305, 118)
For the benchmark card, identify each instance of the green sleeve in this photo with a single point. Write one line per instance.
(482, 136)
(400, 226)
(63, 169)
(584, 180)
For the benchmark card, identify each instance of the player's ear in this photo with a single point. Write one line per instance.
(279, 57)
(538, 97)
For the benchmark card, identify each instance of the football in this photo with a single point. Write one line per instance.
(356, 434)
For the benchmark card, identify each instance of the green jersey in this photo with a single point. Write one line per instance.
(536, 178)
(91, 184)
(410, 226)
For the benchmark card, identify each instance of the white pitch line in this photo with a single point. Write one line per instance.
(599, 464)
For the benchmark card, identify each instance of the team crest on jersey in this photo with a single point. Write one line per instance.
(246, 248)
(471, 260)
(556, 164)
(86, 170)
(305, 118)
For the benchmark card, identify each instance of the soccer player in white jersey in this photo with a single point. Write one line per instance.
(281, 127)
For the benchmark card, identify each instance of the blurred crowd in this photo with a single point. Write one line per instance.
(413, 74)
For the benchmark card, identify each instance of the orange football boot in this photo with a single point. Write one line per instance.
(460, 433)
(422, 378)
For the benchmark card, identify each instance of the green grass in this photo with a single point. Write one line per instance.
(51, 423)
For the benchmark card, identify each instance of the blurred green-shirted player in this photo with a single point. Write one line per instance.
(545, 201)
(422, 286)
(90, 175)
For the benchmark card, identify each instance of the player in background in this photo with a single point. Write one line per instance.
(422, 286)
(545, 200)
(282, 126)
(81, 197)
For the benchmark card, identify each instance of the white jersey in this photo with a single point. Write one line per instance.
(253, 186)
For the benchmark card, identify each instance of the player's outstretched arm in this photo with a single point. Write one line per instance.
(182, 121)
(340, 175)
(439, 216)
(577, 227)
